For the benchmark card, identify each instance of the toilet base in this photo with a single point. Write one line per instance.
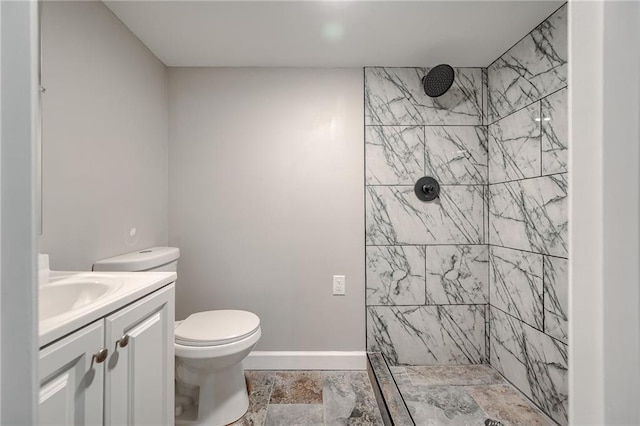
(223, 399)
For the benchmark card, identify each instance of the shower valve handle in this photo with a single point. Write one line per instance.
(427, 188)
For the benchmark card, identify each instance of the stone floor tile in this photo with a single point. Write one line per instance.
(294, 415)
(453, 375)
(442, 406)
(349, 400)
(259, 386)
(400, 375)
(259, 379)
(506, 404)
(297, 387)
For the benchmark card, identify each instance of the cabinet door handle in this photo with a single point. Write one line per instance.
(101, 355)
(123, 341)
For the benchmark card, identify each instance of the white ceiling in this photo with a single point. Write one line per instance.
(330, 33)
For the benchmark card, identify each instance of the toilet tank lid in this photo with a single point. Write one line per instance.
(139, 261)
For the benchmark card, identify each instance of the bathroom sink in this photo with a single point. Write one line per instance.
(69, 295)
(69, 300)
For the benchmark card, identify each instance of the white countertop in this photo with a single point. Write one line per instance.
(130, 286)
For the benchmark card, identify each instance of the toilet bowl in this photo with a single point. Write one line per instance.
(209, 349)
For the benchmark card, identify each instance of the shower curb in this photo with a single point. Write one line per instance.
(392, 407)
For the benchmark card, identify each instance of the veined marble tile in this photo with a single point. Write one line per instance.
(531, 69)
(456, 154)
(394, 215)
(516, 284)
(427, 335)
(485, 213)
(514, 146)
(534, 362)
(394, 154)
(395, 275)
(457, 274)
(530, 215)
(395, 96)
(485, 97)
(487, 337)
(555, 134)
(556, 297)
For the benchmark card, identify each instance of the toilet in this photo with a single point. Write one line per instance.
(209, 348)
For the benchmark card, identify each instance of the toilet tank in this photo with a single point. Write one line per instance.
(156, 259)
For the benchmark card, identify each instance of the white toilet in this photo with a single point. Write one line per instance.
(209, 348)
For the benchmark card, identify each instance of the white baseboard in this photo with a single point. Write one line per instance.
(306, 360)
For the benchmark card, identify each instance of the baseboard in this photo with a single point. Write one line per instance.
(306, 360)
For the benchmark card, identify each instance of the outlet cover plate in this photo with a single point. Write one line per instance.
(339, 285)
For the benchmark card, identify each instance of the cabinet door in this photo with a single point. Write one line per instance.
(139, 388)
(71, 380)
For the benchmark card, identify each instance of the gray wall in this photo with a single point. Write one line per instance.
(427, 262)
(266, 199)
(104, 137)
(528, 216)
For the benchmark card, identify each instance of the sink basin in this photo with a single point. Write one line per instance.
(70, 295)
(69, 300)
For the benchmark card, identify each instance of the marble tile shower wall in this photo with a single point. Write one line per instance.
(481, 275)
(427, 263)
(527, 232)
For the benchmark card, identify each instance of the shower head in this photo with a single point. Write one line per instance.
(438, 80)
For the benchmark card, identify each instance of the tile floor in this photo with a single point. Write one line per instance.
(288, 398)
(463, 395)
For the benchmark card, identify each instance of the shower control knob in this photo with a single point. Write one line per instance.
(427, 188)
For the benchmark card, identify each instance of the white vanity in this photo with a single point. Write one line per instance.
(106, 348)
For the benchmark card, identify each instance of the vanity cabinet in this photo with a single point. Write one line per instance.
(71, 381)
(116, 371)
(139, 379)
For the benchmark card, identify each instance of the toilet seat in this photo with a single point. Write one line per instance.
(217, 351)
(216, 328)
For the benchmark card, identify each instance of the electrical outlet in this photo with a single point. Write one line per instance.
(339, 285)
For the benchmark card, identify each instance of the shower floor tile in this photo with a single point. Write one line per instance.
(442, 405)
(463, 395)
(454, 375)
(505, 403)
